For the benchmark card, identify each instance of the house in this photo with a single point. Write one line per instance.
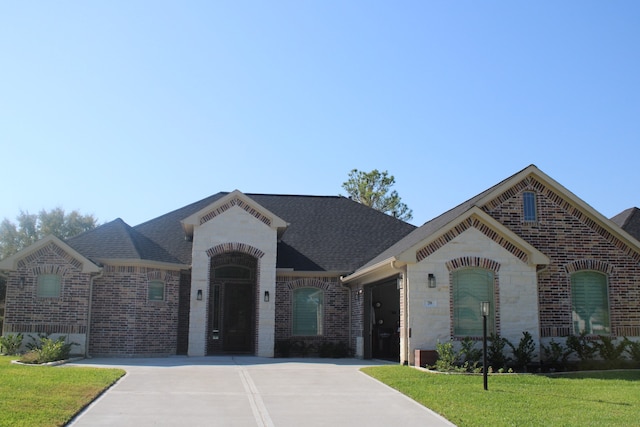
(242, 273)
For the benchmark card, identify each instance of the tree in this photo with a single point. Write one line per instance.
(31, 228)
(373, 189)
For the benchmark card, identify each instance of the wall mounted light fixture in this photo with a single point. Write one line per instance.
(358, 293)
(431, 280)
(21, 282)
(199, 295)
(266, 296)
(399, 282)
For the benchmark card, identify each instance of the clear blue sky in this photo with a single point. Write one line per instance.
(132, 109)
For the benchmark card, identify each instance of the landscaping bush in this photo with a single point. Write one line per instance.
(496, 357)
(556, 355)
(610, 352)
(582, 346)
(45, 350)
(633, 348)
(523, 353)
(10, 344)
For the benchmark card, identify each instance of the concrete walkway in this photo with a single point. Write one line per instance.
(249, 391)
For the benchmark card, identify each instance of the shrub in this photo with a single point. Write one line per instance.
(47, 350)
(582, 346)
(610, 352)
(10, 344)
(446, 357)
(523, 353)
(495, 352)
(556, 355)
(633, 348)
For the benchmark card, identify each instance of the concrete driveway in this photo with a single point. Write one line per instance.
(249, 391)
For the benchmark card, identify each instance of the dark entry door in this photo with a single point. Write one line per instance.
(238, 317)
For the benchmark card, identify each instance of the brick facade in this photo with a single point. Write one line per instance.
(66, 315)
(336, 309)
(125, 322)
(572, 241)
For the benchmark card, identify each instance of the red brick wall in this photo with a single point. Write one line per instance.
(572, 240)
(336, 308)
(67, 314)
(125, 322)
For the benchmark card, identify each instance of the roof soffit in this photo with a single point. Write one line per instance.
(11, 263)
(234, 199)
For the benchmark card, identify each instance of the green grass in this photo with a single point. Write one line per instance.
(47, 395)
(609, 398)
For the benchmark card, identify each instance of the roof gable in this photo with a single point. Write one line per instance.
(233, 199)
(83, 263)
(478, 206)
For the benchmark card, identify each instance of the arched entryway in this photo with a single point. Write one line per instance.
(231, 319)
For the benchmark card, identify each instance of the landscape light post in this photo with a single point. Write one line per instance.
(484, 309)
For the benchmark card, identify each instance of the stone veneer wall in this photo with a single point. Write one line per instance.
(123, 320)
(572, 241)
(28, 314)
(336, 308)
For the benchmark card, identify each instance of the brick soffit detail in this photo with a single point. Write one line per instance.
(241, 204)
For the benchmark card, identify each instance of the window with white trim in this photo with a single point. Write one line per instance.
(471, 286)
(590, 303)
(156, 290)
(49, 286)
(308, 311)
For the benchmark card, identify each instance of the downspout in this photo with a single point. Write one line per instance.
(405, 310)
(91, 280)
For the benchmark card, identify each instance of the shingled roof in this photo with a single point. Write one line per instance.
(325, 233)
(117, 240)
(629, 221)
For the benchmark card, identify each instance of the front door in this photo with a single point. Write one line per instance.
(237, 323)
(232, 308)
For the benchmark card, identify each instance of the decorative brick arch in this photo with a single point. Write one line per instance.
(589, 264)
(475, 262)
(471, 222)
(235, 247)
(469, 261)
(308, 283)
(241, 204)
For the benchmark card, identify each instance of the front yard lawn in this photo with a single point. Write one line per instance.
(609, 398)
(47, 395)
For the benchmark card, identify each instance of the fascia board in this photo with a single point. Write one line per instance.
(379, 268)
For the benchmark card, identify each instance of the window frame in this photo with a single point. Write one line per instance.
(529, 206)
(603, 303)
(40, 286)
(151, 284)
(470, 312)
(304, 330)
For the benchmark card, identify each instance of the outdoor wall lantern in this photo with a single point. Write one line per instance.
(399, 282)
(431, 280)
(358, 293)
(266, 296)
(484, 309)
(199, 295)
